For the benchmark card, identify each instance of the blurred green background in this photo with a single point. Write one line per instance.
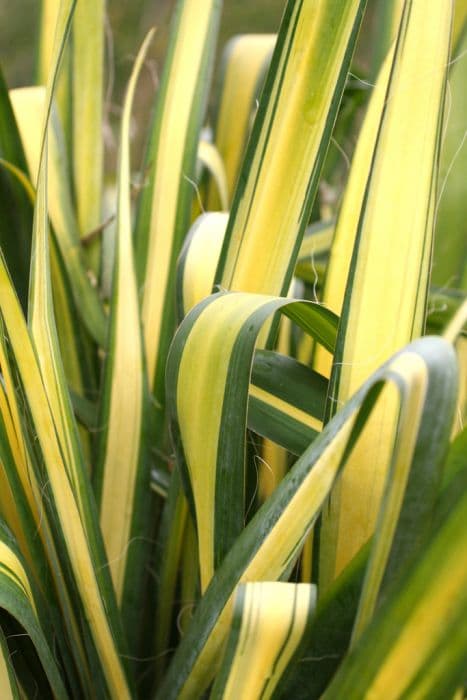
(128, 23)
(129, 20)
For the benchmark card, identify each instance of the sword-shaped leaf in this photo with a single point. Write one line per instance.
(165, 207)
(417, 644)
(291, 133)
(87, 105)
(70, 509)
(30, 105)
(387, 287)
(244, 60)
(122, 472)
(268, 622)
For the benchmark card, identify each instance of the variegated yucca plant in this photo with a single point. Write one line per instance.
(233, 461)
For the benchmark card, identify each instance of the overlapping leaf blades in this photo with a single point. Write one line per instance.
(80, 556)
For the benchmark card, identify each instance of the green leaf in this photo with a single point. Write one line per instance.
(287, 401)
(17, 598)
(30, 106)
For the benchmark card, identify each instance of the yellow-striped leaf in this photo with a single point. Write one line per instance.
(87, 105)
(343, 242)
(172, 160)
(30, 106)
(268, 623)
(122, 472)
(386, 291)
(244, 60)
(291, 133)
(417, 644)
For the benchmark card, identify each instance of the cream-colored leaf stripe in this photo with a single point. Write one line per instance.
(285, 407)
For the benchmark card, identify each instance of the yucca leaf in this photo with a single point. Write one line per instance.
(343, 242)
(17, 598)
(20, 498)
(172, 159)
(460, 18)
(73, 341)
(291, 133)
(21, 507)
(171, 532)
(76, 347)
(417, 644)
(30, 105)
(327, 638)
(387, 287)
(200, 256)
(273, 458)
(21, 177)
(270, 543)
(244, 60)
(50, 29)
(456, 332)
(278, 408)
(268, 622)
(408, 503)
(122, 472)
(72, 520)
(87, 105)
(15, 206)
(49, 16)
(221, 332)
